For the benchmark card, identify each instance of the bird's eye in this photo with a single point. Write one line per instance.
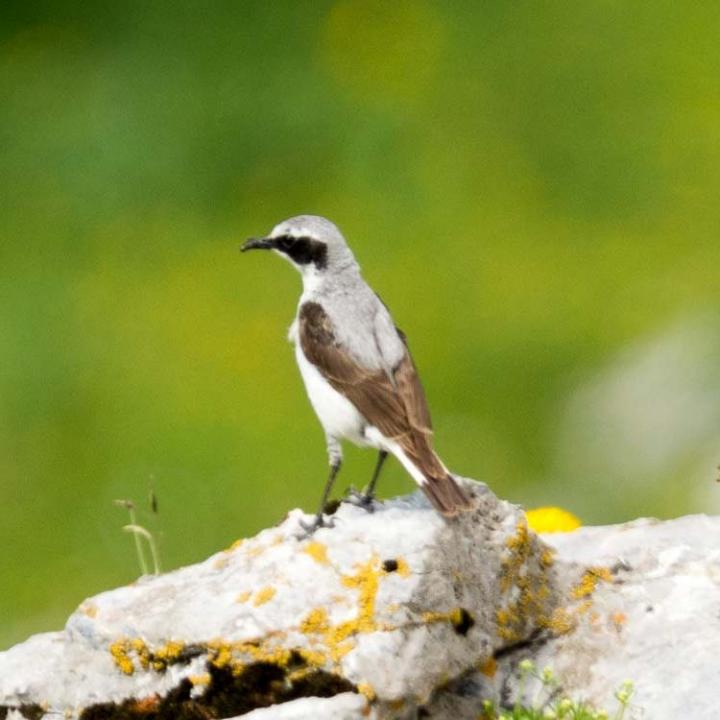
(286, 242)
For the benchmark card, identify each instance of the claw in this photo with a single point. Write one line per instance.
(361, 500)
(318, 522)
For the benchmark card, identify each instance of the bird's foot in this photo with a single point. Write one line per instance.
(318, 522)
(363, 500)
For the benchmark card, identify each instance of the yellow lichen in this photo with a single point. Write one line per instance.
(336, 638)
(221, 561)
(367, 690)
(317, 551)
(315, 622)
(264, 595)
(255, 551)
(513, 563)
(403, 569)
(525, 580)
(236, 655)
(142, 652)
(123, 650)
(89, 609)
(457, 617)
(119, 652)
(167, 654)
(200, 680)
(552, 520)
(244, 596)
(561, 621)
(224, 557)
(313, 658)
(221, 654)
(367, 582)
(589, 582)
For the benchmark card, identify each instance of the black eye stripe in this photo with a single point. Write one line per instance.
(303, 250)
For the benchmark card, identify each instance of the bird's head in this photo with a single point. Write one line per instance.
(310, 242)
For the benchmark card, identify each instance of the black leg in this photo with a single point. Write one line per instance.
(370, 492)
(366, 498)
(319, 522)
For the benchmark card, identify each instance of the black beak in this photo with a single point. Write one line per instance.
(257, 244)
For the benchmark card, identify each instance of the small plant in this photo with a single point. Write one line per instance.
(139, 533)
(548, 703)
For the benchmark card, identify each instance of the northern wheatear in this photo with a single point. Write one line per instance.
(357, 368)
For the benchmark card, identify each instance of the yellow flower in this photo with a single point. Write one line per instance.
(551, 519)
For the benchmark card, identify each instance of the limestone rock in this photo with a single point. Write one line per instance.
(346, 706)
(382, 609)
(656, 622)
(638, 602)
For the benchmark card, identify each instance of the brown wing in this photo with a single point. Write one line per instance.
(411, 391)
(397, 407)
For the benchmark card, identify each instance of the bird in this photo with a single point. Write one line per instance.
(359, 375)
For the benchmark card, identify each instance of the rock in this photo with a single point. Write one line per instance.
(346, 706)
(370, 618)
(656, 622)
(639, 603)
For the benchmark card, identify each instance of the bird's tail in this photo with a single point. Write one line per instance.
(446, 495)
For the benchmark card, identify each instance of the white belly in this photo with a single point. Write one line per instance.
(338, 416)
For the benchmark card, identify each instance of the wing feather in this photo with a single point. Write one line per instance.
(396, 406)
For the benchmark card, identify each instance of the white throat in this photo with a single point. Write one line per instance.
(312, 280)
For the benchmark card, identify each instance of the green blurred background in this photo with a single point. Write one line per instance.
(531, 186)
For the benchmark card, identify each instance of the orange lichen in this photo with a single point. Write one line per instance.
(244, 596)
(489, 667)
(146, 705)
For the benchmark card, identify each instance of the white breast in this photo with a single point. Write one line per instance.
(338, 416)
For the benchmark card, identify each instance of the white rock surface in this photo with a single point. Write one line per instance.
(657, 623)
(346, 706)
(391, 605)
(640, 602)
(392, 611)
